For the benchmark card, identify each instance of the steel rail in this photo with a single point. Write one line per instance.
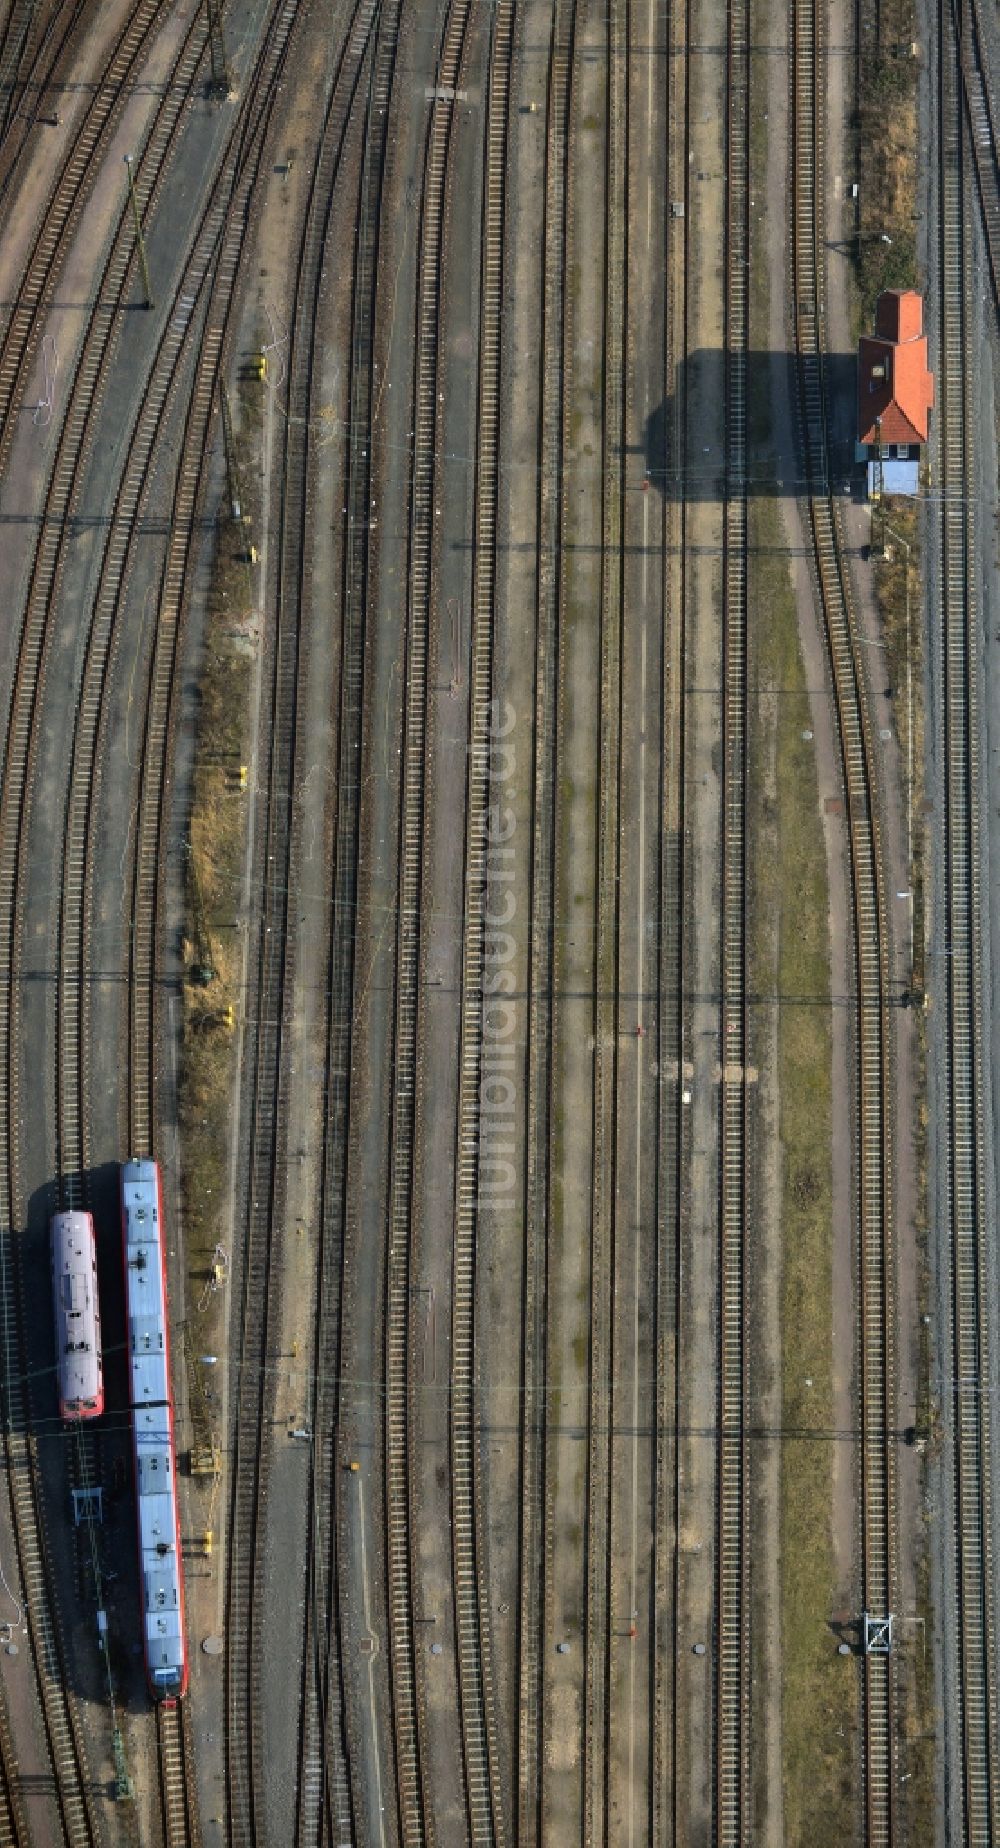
(671, 1144)
(604, 1175)
(485, 1809)
(733, 1819)
(210, 251)
(202, 315)
(872, 1130)
(323, 1794)
(554, 364)
(968, 1135)
(64, 481)
(61, 1720)
(14, 1831)
(21, 54)
(981, 114)
(15, 33)
(325, 1776)
(61, 496)
(416, 1816)
(211, 269)
(63, 209)
(209, 272)
(178, 1794)
(258, 1310)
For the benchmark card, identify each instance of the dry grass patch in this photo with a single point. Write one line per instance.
(887, 159)
(791, 931)
(216, 844)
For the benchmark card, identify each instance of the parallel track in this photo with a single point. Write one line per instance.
(28, 66)
(484, 1794)
(968, 1135)
(874, 1264)
(65, 205)
(66, 480)
(402, 1344)
(733, 1788)
(605, 1251)
(13, 1820)
(326, 1797)
(554, 385)
(259, 1301)
(671, 1144)
(201, 318)
(259, 1305)
(62, 1725)
(981, 111)
(323, 1799)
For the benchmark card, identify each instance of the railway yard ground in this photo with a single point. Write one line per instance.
(497, 812)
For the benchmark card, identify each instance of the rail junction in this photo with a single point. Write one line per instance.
(459, 816)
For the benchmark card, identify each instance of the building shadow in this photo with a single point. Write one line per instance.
(685, 459)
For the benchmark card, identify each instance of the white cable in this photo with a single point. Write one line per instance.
(274, 345)
(50, 368)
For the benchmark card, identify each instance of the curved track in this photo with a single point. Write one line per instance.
(84, 400)
(258, 1307)
(30, 65)
(64, 207)
(872, 1129)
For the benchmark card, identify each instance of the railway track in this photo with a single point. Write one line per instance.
(61, 1721)
(604, 1253)
(63, 209)
(671, 1149)
(64, 487)
(485, 1802)
(179, 1815)
(733, 1786)
(35, 1584)
(201, 319)
(28, 67)
(981, 113)
(403, 1344)
(326, 1798)
(199, 315)
(541, 972)
(872, 1126)
(13, 1821)
(260, 1307)
(976, 1805)
(323, 1802)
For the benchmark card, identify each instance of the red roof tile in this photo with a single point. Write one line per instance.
(899, 315)
(894, 383)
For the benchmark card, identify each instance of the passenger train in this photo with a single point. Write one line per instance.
(152, 1414)
(79, 1365)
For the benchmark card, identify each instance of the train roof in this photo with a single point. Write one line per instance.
(150, 1394)
(77, 1314)
(146, 1304)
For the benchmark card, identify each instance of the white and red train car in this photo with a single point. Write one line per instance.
(79, 1365)
(152, 1414)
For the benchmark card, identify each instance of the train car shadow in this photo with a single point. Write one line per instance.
(84, 1472)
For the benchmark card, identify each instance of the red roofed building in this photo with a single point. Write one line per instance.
(895, 387)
